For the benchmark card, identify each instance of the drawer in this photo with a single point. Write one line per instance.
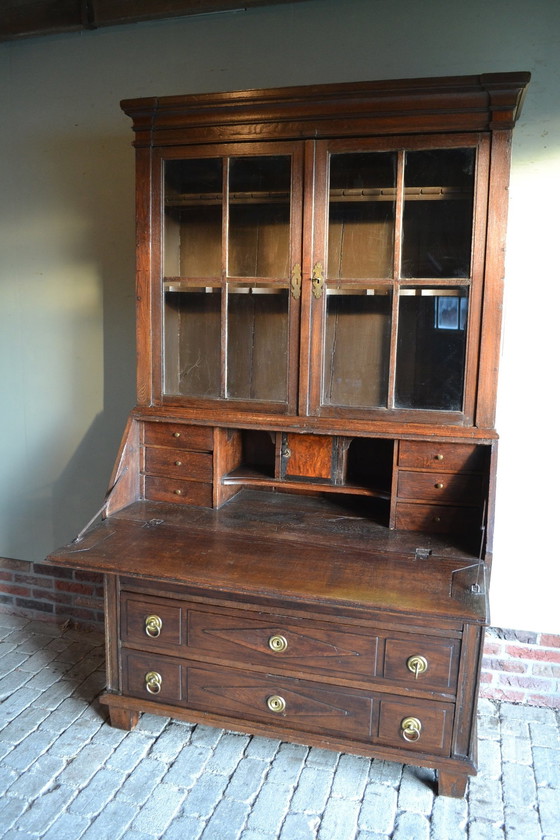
(438, 486)
(437, 519)
(280, 701)
(161, 489)
(153, 677)
(426, 455)
(422, 662)
(178, 463)
(179, 436)
(417, 725)
(151, 623)
(277, 643)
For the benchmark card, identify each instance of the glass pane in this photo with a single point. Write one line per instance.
(437, 219)
(357, 343)
(361, 215)
(431, 348)
(193, 218)
(259, 216)
(192, 342)
(257, 343)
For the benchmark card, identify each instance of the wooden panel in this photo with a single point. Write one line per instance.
(442, 661)
(243, 638)
(179, 436)
(437, 519)
(442, 456)
(311, 456)
(160, 489)
(136, 667)
(436, 721)
(178, 463)
(308, 706)
(444, 487)
(134, 615)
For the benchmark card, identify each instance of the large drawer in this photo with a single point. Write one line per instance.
(401, 723)
(236, 636)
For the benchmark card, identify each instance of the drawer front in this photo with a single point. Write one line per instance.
(153, 677)
(427, 455)
(437, 519)
(179, 436)
(419, 726)
(161, 489)
(280, 701)
(274, 642)
(420, 662)
(437, 486)
(152, 624)
(178, 463)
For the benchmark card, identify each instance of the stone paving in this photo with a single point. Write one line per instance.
(66, 774)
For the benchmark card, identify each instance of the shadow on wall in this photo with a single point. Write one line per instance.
(72, 259)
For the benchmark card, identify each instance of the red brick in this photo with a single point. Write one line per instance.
(492, 648)
(6, 576)
(508, 695)
(69, 586)
(533, 653)
(551, 701)
(486, 677)
(546, 670)
(52, 571)
(513, 665)
(89, 577)
(527, 682)
(14, 589)
(549, 640)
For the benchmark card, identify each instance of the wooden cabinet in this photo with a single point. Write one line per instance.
(298, 535)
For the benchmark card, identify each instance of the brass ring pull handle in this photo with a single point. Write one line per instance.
(411, 729)
(153, 682)
(276, 704)
(417, 665)
(153, 625)
(278, 643)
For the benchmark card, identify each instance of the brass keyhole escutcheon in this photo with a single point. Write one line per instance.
(417, 665)
(276, 704)
(153, 625)
(318, 280)
(411, 729)
(278, 643)
(153, 682)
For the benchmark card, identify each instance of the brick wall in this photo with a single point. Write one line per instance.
(51, 594)
(519, 667)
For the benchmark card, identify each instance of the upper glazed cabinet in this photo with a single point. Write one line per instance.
(292, 270)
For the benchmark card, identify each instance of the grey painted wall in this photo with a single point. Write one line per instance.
(67, 239)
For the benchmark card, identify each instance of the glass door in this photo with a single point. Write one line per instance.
(396, 255)
(231, 257)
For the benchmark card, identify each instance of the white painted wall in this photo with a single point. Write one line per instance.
(67, 242)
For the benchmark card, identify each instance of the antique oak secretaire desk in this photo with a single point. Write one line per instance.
(297, 535)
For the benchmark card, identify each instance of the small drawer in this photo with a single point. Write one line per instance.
(158, 489)
(422, 726)
(437, 519)
(178, 463)
(431, 455)
(151, 623)
(179, 436)
(437, 486)
(275, 643)
(422, 662)
(280, 701)
(152, 677)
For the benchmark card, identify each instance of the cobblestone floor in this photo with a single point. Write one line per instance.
(65, 774)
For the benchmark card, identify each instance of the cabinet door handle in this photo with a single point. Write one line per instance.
(411, 729)
(153, 682)
(153, 625)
